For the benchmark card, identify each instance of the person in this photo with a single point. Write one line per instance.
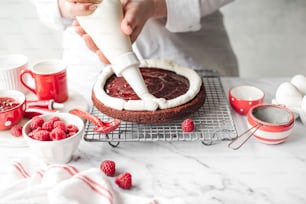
(191, 33)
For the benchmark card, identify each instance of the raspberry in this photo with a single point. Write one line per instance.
(42, 135)
(187, 125)
(57, 134)
(16, 130)
(48, 125)
(72, 128)
(36, 122)
(108, 167)
(124, 180)
(60, 124)
(31, 134)
(55, 118)
(69, 134)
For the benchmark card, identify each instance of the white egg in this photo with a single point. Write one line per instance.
(287, 94)
(304, 104)
(303, 111)
(299, 81)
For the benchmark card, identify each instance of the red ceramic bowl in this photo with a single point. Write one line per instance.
(12, 108)
(242, 98)
(273, 124)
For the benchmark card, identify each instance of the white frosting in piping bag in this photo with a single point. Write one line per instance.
(104, 28)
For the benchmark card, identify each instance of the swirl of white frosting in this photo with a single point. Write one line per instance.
(152, 103)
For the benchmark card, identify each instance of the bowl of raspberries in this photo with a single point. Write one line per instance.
(54, 137)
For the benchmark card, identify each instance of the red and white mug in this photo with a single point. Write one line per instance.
(50, 80)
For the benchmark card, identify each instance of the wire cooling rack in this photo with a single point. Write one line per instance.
(213, 122)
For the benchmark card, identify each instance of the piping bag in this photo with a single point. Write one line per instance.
(104, 28)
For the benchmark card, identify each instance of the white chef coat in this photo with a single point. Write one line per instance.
(192, 35)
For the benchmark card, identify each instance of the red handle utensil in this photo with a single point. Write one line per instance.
(101, 127)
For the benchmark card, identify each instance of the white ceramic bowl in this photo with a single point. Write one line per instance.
(59, 151)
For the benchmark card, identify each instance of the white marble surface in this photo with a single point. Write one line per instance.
(256, 173)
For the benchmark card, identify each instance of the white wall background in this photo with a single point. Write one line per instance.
(21, 32)
(268, 37)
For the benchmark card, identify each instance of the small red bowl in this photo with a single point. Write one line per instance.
(12, 108)
(273, 124)
(242, 98)
(268, 123)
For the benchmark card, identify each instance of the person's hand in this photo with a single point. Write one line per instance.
(73, 8)
(136, 14)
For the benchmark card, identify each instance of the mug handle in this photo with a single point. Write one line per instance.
(22, 73)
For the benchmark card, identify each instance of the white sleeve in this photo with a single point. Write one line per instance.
(185, 15)
(49, 13)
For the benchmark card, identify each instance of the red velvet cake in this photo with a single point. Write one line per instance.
(161, 83)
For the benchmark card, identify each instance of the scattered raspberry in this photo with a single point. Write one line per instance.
(187, 125)
(60, 124)
(16, 130)
(48, 125)
(42, 135)
(124, 180)
(57, 134)
(108, 167)
(36, 122)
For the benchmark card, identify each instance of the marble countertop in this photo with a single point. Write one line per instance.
(256, 173)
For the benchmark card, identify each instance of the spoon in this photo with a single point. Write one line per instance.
(101, 127)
